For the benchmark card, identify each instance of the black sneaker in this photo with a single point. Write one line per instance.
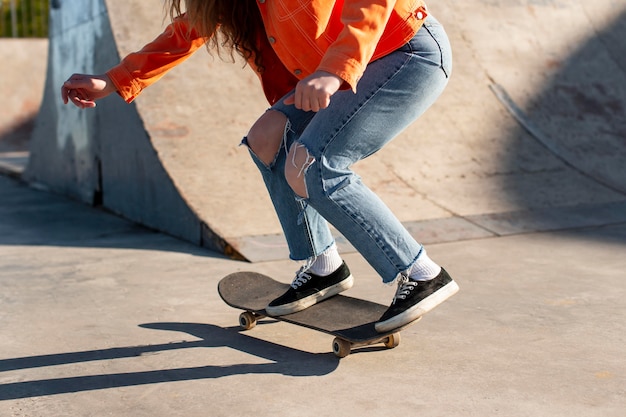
(308, 289)
(415, 298)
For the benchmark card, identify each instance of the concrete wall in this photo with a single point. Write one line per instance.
(22, 78)
(105, 156)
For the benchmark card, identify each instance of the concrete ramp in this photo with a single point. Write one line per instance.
(169, 161)
(20, 100)
(530, 135)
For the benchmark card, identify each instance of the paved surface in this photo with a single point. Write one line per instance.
(102, 317)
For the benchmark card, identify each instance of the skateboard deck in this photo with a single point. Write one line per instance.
(351, 320)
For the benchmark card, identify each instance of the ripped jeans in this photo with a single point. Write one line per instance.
(393, 92)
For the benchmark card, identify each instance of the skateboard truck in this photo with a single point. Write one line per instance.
(341, 347)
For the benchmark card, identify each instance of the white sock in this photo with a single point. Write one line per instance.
(327, 262)
(424, 268)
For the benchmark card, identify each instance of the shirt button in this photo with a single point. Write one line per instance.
(297, 72)
(261, 1)
(272, 39)
(419, 15)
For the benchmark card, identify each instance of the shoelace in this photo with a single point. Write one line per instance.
(302, 277)
(405, 286)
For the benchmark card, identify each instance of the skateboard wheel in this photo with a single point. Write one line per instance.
(341, 348)
(247, 320)
(392, 341)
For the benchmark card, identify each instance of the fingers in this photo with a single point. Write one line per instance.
(314, 92)
(78, 97)
(307, 105)
(64, 94)
(290, 99)
(70, 91)
(307, 101)
(83, 90)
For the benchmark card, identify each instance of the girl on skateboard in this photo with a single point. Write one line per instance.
(343, 78)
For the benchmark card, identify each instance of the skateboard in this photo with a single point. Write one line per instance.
(351, 320)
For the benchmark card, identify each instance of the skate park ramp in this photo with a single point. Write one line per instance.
(20, 100)
(530, 134)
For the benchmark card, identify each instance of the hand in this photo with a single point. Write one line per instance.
(313, 93)
(83, 90)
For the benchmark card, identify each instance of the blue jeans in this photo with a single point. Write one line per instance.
(393, 92)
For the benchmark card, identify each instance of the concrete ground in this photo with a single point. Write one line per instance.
(101, 317)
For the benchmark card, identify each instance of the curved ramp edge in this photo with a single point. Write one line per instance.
(105, 156)
(467, 169)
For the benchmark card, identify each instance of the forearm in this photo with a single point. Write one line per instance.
(140, 69)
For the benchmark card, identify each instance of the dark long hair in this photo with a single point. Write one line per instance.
(233, 26)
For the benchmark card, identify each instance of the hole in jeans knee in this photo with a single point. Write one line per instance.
(266, 136)
(299, 160)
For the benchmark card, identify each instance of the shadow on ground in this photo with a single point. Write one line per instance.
(37, 218)
(283, 360)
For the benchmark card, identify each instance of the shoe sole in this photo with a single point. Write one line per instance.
(311, 300)
(419, 309)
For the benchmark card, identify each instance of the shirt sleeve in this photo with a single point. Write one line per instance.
(364, 23)
(140, 69)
